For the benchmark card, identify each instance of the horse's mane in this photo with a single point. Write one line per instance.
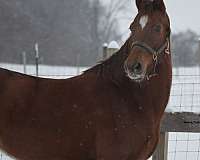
(112, 65)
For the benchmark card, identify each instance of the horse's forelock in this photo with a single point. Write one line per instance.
(159, 5)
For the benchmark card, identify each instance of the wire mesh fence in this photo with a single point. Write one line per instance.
(185, 97)
(185, 93)
(184, 146)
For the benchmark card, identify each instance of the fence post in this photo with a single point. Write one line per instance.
(24, 61)
(105, 48)
(37, 59)
(198, 54)
(110, 49)
(162, 147)
(78, 64)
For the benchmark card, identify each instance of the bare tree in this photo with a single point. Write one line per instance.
(111, 17)
(105, 22)
(184, 48)
(63, 29)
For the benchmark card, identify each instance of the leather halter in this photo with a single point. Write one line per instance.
(164, 49)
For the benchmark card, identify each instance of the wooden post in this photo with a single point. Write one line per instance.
(24, 61)
(162, 147)
(112, 48)
(105, 47)
(37, 59)
(78, 64)
(109, 50)
(198, 54)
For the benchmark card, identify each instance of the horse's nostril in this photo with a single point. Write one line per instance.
(137, 68)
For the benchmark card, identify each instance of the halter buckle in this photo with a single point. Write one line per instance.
(167, 50)
(155, 56)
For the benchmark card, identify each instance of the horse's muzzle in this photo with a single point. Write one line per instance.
(135, 71)
(136, 68)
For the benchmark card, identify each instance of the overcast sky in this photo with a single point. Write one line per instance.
(184, 15)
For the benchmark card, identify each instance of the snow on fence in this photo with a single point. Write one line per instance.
(185, 97)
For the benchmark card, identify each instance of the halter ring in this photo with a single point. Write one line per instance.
(155, 57)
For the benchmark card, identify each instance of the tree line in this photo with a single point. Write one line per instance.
(186, 49)
(71, 32)
(66, 30)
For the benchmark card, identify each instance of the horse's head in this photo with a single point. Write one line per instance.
(149, 39)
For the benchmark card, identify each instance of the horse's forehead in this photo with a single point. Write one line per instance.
(143, 21)
(146, 18)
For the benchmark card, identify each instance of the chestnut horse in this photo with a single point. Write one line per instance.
(110, 112)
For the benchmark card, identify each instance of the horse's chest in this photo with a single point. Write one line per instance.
(139, 140)
(126, 133)
(124, 141)
(142, 145)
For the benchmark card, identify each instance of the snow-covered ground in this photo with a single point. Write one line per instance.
(185, 96)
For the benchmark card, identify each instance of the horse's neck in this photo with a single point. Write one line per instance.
(114, 66)
(152, 96)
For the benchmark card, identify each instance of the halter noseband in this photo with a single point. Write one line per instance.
(164, 49)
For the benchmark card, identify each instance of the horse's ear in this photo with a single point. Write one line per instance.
(142, 3)
(138, 4)
(159, 4)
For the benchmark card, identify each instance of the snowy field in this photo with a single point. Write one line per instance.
(185, 96)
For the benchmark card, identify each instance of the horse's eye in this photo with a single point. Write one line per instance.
(157, 28)
(132, 30)
(168, 32)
